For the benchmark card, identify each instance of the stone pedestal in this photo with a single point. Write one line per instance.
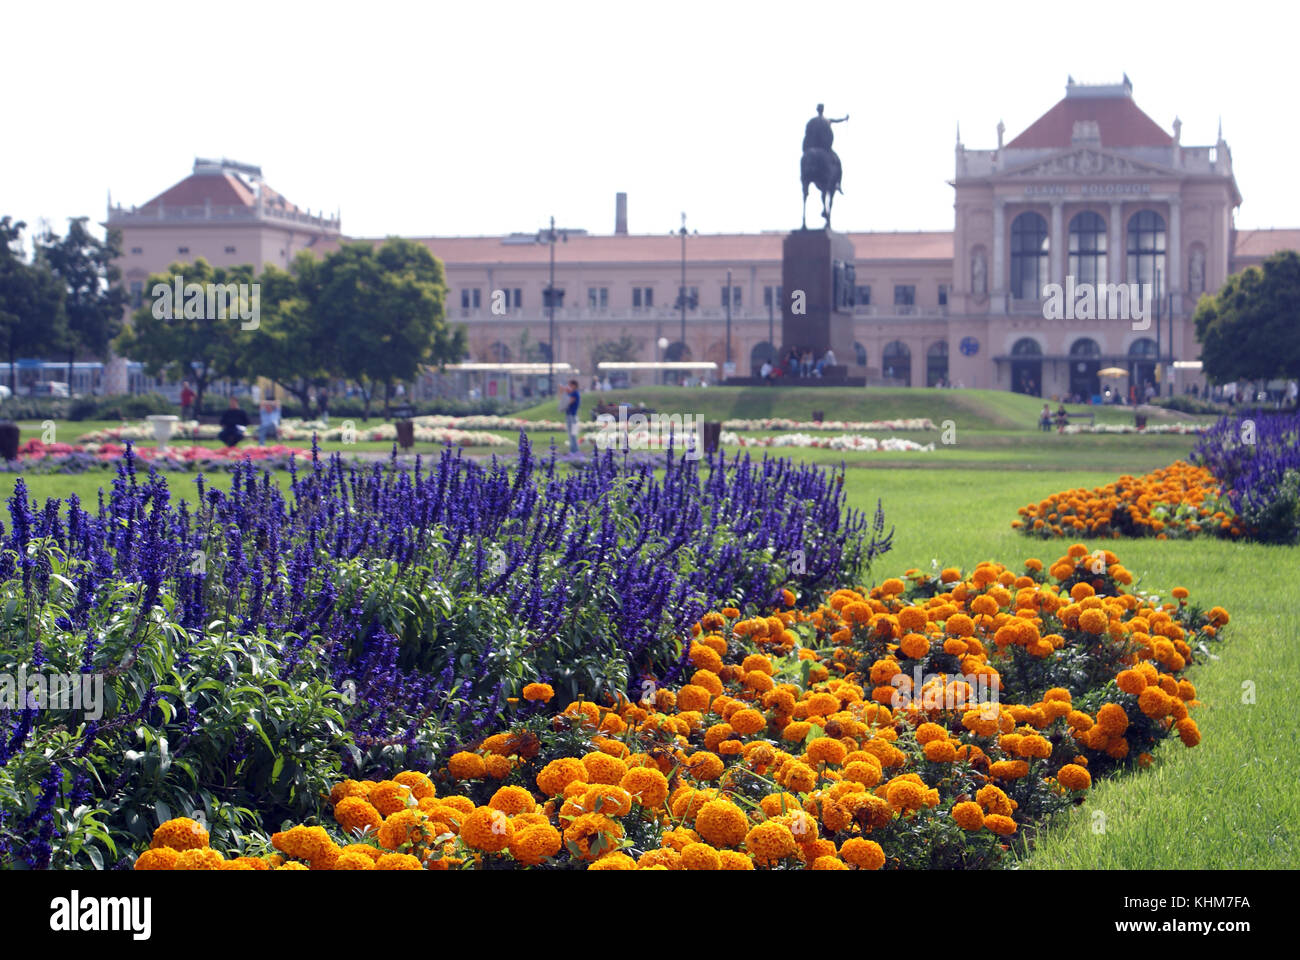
(819, 264)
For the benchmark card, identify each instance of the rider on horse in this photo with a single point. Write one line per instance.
(818, 132)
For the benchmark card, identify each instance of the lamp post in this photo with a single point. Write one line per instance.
(550, 236)
(730, 293)
(683, 294)
(662, 344)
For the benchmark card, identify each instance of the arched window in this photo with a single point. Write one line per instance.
(1146, 249)
(896, 363)
(1029, 247)
(1088, 248)
(1085, 365)
(1142, 347)
(1027, 367)
(1085, 347)
(936, 363)
(763, 351)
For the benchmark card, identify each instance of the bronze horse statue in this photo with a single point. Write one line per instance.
(822, 167)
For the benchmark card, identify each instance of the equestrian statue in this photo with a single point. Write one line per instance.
(820, 165)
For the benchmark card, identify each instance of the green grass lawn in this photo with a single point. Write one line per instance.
(968, 409)
(1229, 802)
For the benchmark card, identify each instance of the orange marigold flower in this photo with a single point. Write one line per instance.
(356, 813)
(863, 854)
(464, 766)
(541, 692)
(180, 833)
(513, 800)
(770, 842)
(158, 858)
(968, 816)
(1074, 777)
(1112, 720)
(487, 829)
(1002, 825)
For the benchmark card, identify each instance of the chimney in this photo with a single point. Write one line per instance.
(620, 214)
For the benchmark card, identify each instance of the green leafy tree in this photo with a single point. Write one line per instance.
(623, 350)
(180, 339)
(1250, 329)
(32, 317)
(386, 309)
(293, 346)
(94, 297)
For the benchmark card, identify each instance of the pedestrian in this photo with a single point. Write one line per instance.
(187, 401)
(1045, 418)
(234, 424)
(573, 398)
(270, 423)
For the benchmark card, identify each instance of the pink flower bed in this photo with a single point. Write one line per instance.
(34, 449)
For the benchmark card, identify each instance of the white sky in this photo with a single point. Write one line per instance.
(441, 118)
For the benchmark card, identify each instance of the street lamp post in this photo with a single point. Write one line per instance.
(550, 306)
(683, 296)
(729, 295)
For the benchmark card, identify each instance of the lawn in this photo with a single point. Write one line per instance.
(1226, 803)
(968, 409)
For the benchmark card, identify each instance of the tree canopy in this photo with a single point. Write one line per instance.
(1250, 329)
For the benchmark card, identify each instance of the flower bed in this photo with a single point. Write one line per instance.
(935, 721)
(850, 426)
(1180, 500)
(842, 442)
(1256, 458)
(35, 457)
(263, 643)
(1176, 428)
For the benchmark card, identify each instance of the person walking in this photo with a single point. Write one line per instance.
(573, 398)
(187, 401)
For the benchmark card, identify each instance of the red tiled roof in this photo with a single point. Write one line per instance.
(222, 189)
(1121, 121)
(630, 248)
(1259, 244)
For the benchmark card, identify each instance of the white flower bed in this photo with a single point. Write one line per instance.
(922, 423)
(1130, 428)
(845, 441)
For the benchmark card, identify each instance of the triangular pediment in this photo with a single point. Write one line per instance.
(1085, 162)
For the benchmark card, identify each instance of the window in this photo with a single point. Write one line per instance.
(772, 297)
(943, 294)
(182, 249)
(515, 298)
(230, 249)
(553, 296)
(734, 297)
(692, 295)
(643, 297)
(137, 249)
(1146, 249)
(470, 298)
(137, 294)
(1087, 248)
(598, 298)
(862, 296)
(1029, 247)
(904, 294)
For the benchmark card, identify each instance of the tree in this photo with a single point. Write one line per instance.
(1250, 329)
(94, 296)
(623, 350)
(185, 338)
(32, 319)
(292, 346)
(387, 306)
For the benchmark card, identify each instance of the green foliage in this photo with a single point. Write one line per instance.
(94, 297)
(1250, 329)
(33, 319)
